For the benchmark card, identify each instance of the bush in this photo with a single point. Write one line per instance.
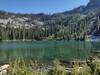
(22, 67)
(58, 69)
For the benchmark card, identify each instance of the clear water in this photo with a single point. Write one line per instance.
(47, 50)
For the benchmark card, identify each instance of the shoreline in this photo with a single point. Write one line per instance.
(68, 65)
(41, 40)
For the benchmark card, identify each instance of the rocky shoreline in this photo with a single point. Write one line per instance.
(68, 65)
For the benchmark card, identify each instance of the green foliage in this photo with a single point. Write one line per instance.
(71, 27)
(81, 70)
(22, 67)
(57, 69)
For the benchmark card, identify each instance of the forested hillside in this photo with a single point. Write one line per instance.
(75, 24)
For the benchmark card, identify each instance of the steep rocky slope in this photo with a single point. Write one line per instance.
(76, 23)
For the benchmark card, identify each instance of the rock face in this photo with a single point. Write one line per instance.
(29, 20)
(18, 20)
(93, 4)
(74, 16)
(73, 24)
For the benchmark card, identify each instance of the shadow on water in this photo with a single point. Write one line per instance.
(46, 51)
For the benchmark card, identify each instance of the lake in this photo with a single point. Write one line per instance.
(47, 50)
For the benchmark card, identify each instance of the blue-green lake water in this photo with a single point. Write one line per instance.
(47, 50)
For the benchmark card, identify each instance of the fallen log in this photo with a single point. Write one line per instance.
(3, 69)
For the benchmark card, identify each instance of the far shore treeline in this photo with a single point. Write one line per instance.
(48, 32)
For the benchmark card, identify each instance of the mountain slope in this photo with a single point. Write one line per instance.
(73, 24)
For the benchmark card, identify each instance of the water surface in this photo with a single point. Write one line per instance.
(47, 50)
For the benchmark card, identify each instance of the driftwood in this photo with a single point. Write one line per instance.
(3, 69)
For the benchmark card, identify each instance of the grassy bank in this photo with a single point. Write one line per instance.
(22, 67)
